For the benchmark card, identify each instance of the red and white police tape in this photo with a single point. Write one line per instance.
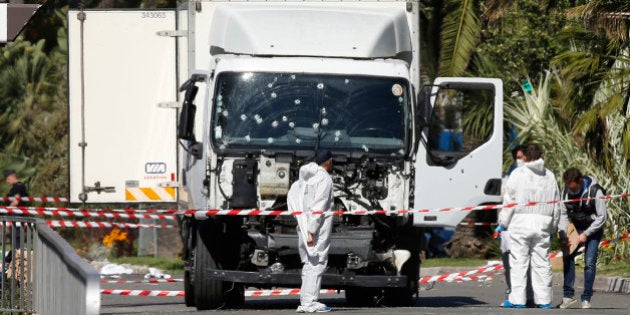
(472, 275)
(91, 224)
(141, 292)
(36, 199)
(452, 276)
(477, 223)
(142, 281)
(67, 212)
(258, 212)
(475, 278)
(160, 214)
(94, 224)
(248, 293)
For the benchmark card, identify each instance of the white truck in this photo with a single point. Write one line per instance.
(262, 85)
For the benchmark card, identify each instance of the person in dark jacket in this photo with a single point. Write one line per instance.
(17, 188)
(588, 217)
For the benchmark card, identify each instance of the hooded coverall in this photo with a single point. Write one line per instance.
(312, 192)
(530, 229)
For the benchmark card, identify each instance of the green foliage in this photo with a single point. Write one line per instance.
(522, 41)
(538, 122)
(460, 34)
(33, 113)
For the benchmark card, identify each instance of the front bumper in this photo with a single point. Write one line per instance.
(293, 279)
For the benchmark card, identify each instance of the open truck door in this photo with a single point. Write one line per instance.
(122, 142)
(457, 158)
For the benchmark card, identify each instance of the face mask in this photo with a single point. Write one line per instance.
(519, 162)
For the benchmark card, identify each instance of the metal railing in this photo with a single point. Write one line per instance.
(42, 273)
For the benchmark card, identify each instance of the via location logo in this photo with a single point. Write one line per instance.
(155, 168)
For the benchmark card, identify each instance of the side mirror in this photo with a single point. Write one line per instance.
(424, 109)
(196, 150)
(186, 125)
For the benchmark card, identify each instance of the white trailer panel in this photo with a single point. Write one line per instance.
(127, 70)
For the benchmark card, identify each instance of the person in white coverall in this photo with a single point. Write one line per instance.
(530, 228)
(312, 195)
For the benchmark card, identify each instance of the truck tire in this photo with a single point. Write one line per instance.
(399, 297)
(208, 293)
(361, 297)
(405, 296)
(189, 290)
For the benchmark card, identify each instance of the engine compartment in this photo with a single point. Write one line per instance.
(360, 183)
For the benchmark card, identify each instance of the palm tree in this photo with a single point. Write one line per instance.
(539, 122)
(597, 68)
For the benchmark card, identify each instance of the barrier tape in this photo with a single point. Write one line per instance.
(91, 224)
(449, 277)
(131, 210)
(94, 224)
(142, 281)
(478, 223)
(279, 292)
(67, 212)
(475, 278)
(258, 212)
(161, 214)
(181, 293)
(472, 275)
(36, 199)
(141, 292)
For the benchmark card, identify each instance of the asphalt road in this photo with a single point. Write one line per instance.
(443, 298)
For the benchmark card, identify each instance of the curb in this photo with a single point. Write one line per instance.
(618, 285)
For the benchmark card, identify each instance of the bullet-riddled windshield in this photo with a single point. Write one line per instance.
(298, 111)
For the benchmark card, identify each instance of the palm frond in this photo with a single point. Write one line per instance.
(460, 33)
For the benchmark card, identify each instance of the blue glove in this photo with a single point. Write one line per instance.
(497, 232)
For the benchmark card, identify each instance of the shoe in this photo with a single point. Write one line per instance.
(586, 304)
(544, 306)
(566, 302)
(508, 304)
(315, 307)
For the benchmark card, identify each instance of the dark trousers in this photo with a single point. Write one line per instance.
(590, 263)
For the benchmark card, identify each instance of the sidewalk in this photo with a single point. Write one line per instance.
(602, 283)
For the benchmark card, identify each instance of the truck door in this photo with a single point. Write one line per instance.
(120, 69)
(459, 160)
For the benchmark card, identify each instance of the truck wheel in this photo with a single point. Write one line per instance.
(399, 297)
(405, 296)
(358, 296)
(236, 295)
(189, 290)
(208, 293)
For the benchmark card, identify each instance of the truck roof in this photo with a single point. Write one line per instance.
(311, 29)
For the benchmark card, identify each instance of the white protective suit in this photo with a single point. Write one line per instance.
(530, 228)
(312, 192)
